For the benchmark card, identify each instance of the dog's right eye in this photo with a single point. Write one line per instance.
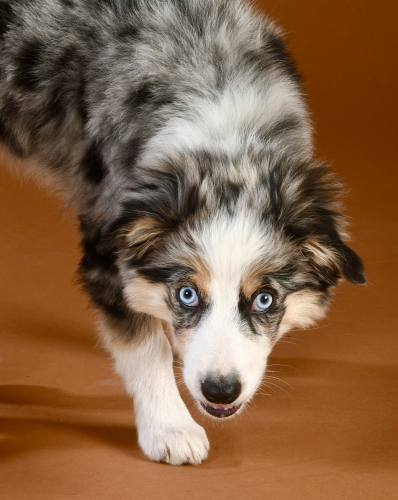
(188, 297)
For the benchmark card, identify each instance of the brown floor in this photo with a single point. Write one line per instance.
(330, 428)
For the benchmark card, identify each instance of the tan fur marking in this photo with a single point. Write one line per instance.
(142, 233)
(251, 283)
(112, 334)
(320, 254)
(252, 280)
(303, 309)
(148, 298)
(201, 276)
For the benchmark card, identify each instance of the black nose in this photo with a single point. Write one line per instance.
(221, 390)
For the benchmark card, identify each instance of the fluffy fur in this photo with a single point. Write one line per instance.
(179, 131)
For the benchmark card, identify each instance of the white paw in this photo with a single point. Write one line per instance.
(184, 444)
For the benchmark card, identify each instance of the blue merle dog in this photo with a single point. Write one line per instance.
(179, 131)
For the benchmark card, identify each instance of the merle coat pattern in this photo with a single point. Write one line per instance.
(179, 131)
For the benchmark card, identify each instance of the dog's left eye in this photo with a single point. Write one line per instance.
(188, 297)
(262, 302)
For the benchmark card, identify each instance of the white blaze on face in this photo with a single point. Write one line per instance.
(222, 341)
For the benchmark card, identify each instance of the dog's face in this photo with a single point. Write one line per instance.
(231, 281)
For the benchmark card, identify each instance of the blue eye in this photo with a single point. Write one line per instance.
(262, 302)
(188, 297)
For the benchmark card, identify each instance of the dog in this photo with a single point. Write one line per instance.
(179, 131)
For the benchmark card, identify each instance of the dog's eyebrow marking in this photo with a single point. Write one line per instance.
(250, 284)
(257, 277)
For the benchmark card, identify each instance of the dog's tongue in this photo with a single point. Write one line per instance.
(220, 411)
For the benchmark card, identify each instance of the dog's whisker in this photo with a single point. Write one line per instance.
(277, 379)
(286, 366)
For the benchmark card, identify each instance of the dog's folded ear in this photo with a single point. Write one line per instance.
(137, 235)
(142, 235)
(167, 197)
(335, 256)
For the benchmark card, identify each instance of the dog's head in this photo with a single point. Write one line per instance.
(232, 264)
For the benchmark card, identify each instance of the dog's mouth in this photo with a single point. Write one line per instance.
(220, 411)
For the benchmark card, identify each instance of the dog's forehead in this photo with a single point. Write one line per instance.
(237, 251)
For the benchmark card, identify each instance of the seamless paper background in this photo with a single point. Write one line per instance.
(328, 429)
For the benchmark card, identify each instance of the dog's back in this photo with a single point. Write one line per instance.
(91, 90)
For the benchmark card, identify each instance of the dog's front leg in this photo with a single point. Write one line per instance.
(166, 430)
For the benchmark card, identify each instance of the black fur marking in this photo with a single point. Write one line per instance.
(350, 264)
(165, 274)
(131, 212)
(273, 52)
(10, 111)
(68, 91)
(133, 151)
(100, 275)
(93, 165)
(10, 140)
(227, 194)
(148, 187)
(149, 94)
(282, 127)
(276, 48)
(68, 3)
(170, 200)
(138, 325)
(28, 60)
(6, 17)
(141, 96)
(128, 33)
(186, 319)
(268, 318)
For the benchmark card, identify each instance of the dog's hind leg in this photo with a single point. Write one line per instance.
(166, 430)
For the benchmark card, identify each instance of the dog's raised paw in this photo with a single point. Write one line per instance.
(186, 444)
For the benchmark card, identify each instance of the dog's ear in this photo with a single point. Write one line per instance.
(144, 234)
(167, 197)
(137, 235)
(336, 257)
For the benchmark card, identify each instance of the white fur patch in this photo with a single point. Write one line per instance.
(228, 246)
(229, 124)
(231, 245)
(166, 430)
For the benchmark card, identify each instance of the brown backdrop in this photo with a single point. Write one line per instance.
(329, 430)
